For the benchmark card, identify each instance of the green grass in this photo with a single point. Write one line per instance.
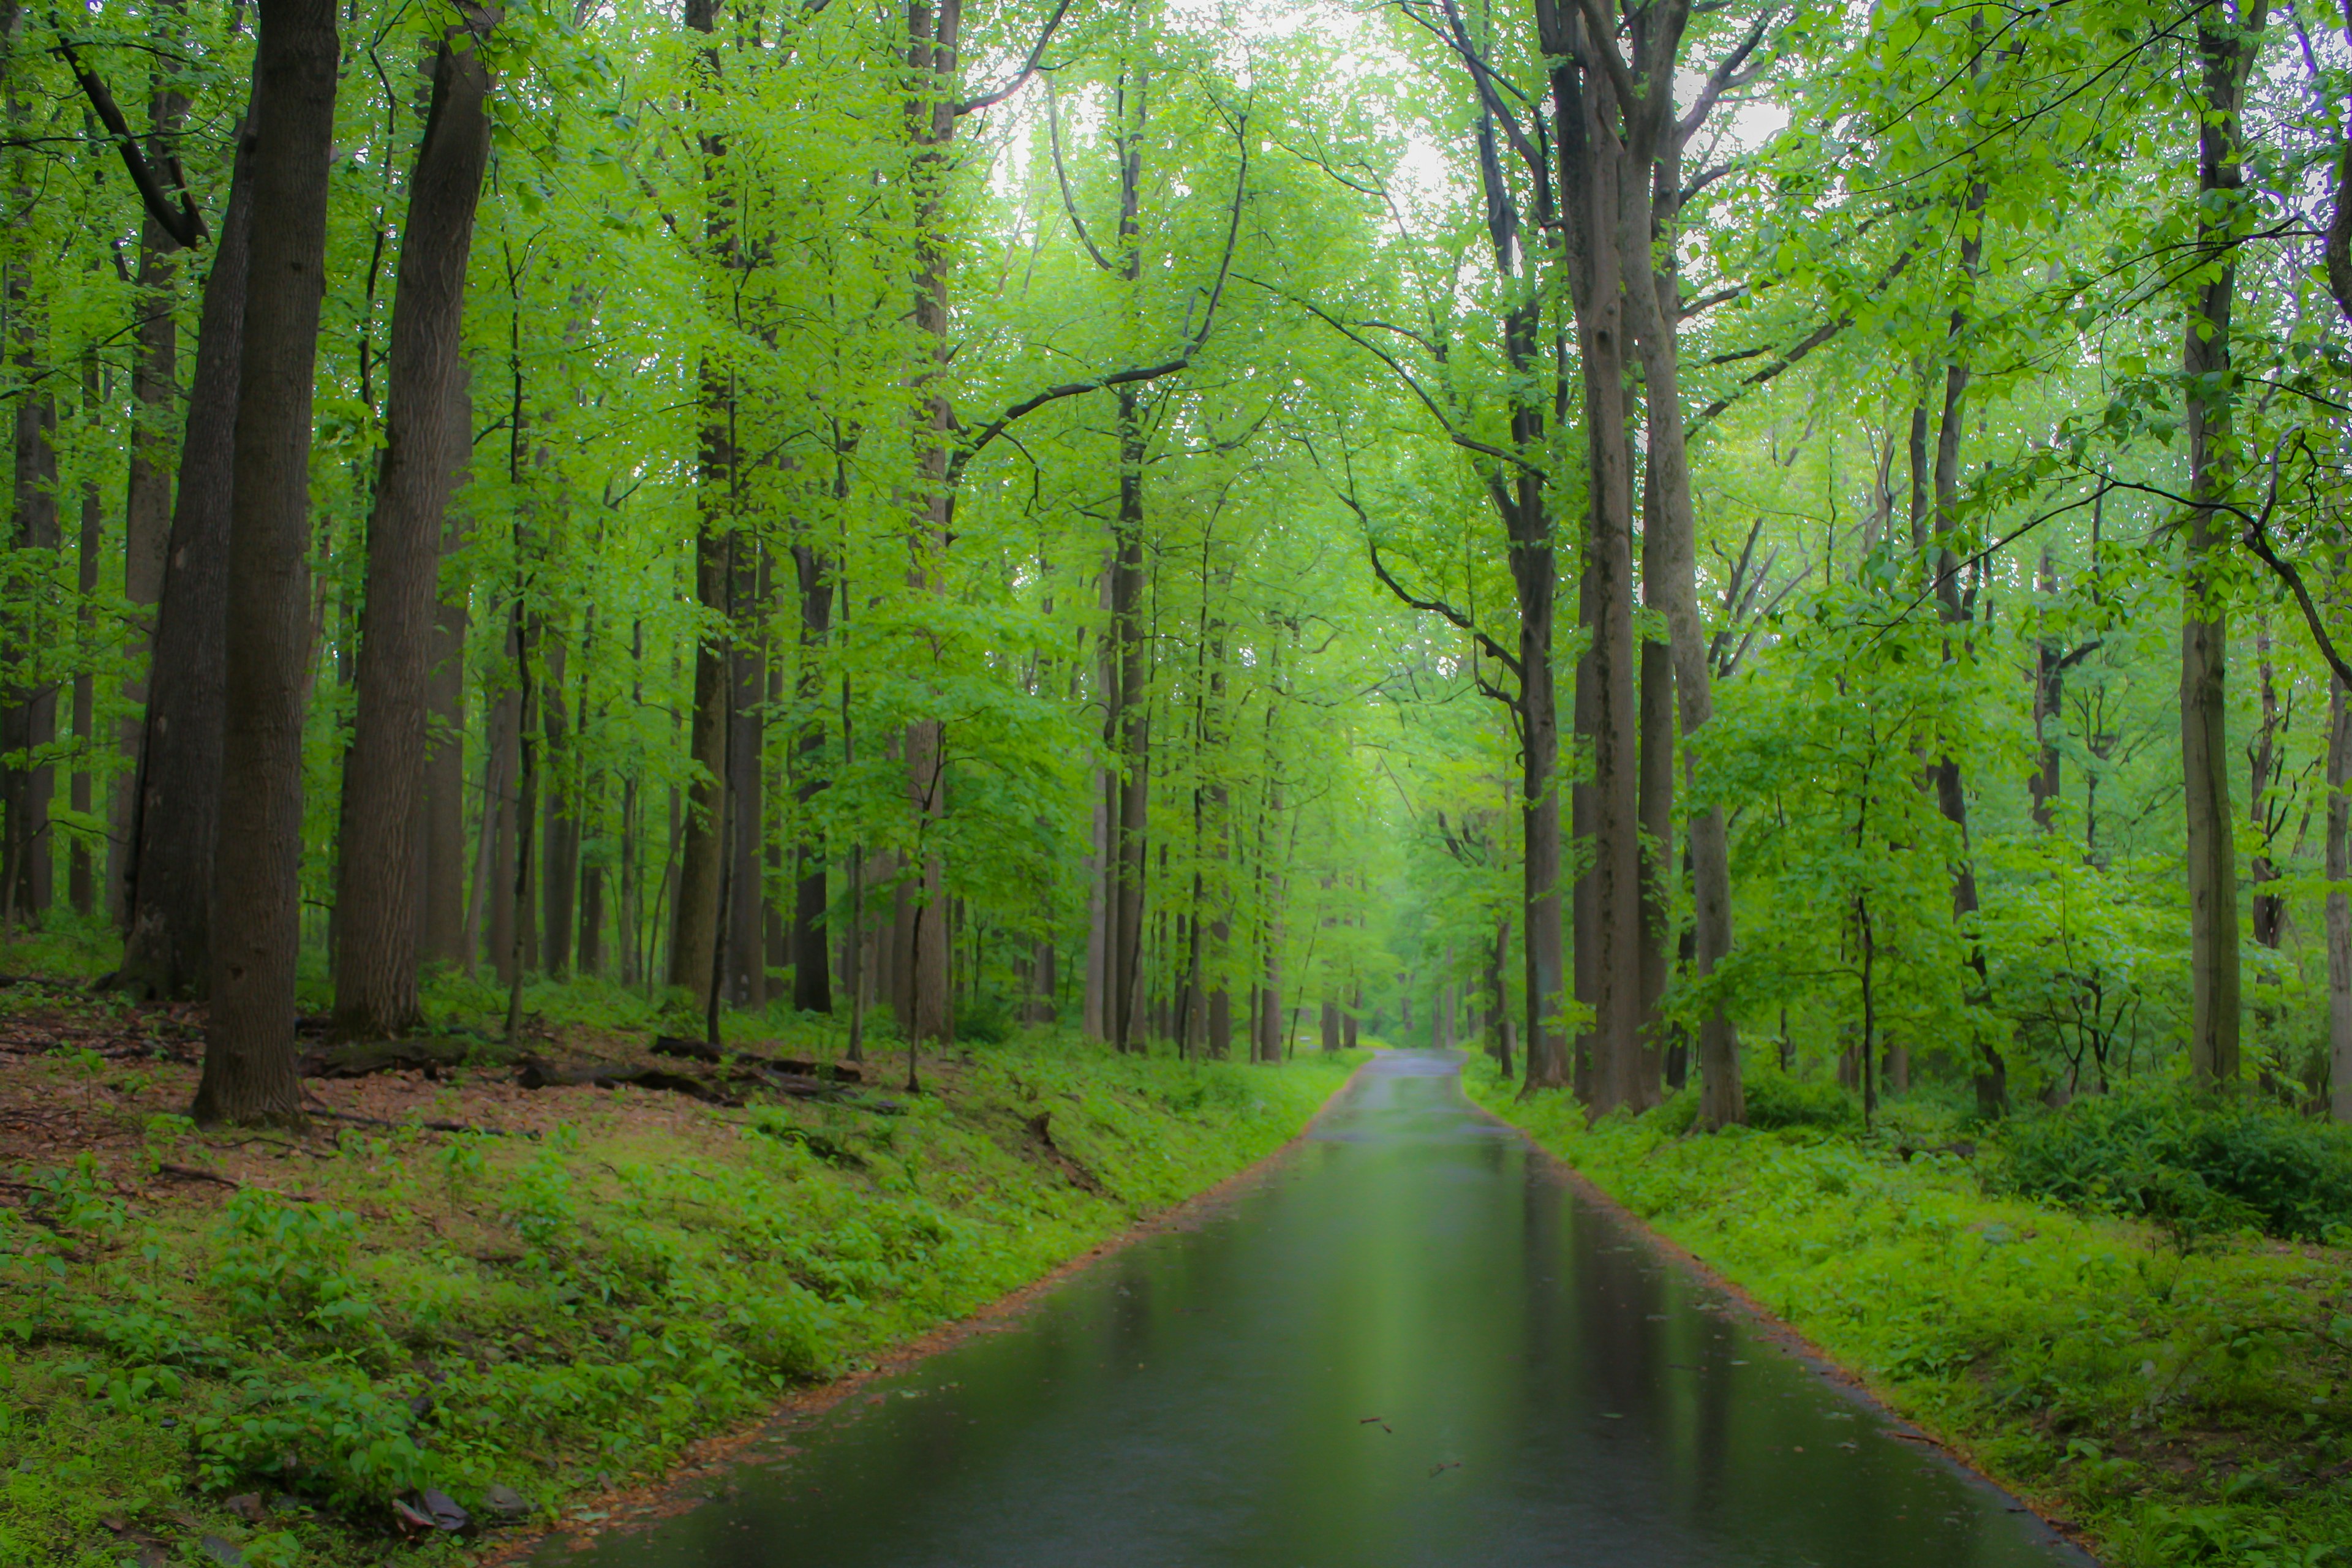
(553, 1316)
(2183, 1400)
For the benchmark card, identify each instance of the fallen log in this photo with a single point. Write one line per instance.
(704, 1051)
(533, 1073)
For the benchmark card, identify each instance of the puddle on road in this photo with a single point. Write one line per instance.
(1408, 1342)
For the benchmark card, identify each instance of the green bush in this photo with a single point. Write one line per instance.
(1777, 1099)
(2196, 1162)
(983, 1023)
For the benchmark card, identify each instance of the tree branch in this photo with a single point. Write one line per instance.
(1028, 67)
(1183, 361)
(1061, 177)
(185, 224)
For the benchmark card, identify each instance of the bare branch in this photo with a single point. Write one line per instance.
(184, 224)
(1028, 67)
(1070, 202)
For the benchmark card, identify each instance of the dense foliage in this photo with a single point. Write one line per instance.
(1063, 517)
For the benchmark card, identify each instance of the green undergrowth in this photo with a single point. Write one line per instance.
(2183, 1395)
(521, 1323)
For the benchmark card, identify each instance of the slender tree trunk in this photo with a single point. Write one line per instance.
(2263, 766)
(442, 916)
(812, 983)
(2339, 902)
(377, 898)
(2223, 58)
(249, 1070)
(79, 883)
(502, 775)
(747, 981)
(559, 874)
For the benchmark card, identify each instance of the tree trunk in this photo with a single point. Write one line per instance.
(694, 931)
(747, 978)
(2339, 902)
(377, 896)
(1130, 734)
(812, 983)
(80, 888)
(502, 774)
(1613, 852)
(167, 950)
(1674, 589)
(442, 914)
(147, 495)
(559, 873)
(248, 1070)
(2223, 58)
(32, 698)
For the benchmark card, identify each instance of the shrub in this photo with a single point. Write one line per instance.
(2193, 1161)
(983, 1023)
(1777, 1099)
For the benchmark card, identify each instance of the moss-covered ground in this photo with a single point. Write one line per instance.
(241, 1346)
(2176, 1400)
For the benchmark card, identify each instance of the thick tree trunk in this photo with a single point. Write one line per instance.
(694, 928)
(1612, 858)
(377, 895)
(695, 913)
(1670, 579)
(32, 715)
(167, 950)
(147, 501)
(248, 1070)
(2223, 56)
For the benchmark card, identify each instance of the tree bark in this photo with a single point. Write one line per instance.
(694, 931)
(695, 914)
(2223, 58)
(377, 895)
(559, 875)
(812, 981)
(80, 889)
(2339, 902)
(747, 978)
(147, 495)
(249, 1070)
(167, 950)
(31, 721)
(1592, 176)
(441, 910)
(1722, 1101)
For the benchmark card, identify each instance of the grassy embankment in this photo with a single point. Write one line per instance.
(241, 1346)
(2179, 1397)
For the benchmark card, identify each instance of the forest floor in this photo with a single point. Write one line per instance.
(2166, 1402)
(454, 1295)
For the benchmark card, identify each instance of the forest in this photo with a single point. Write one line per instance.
(686, 691)
(1730, 532)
